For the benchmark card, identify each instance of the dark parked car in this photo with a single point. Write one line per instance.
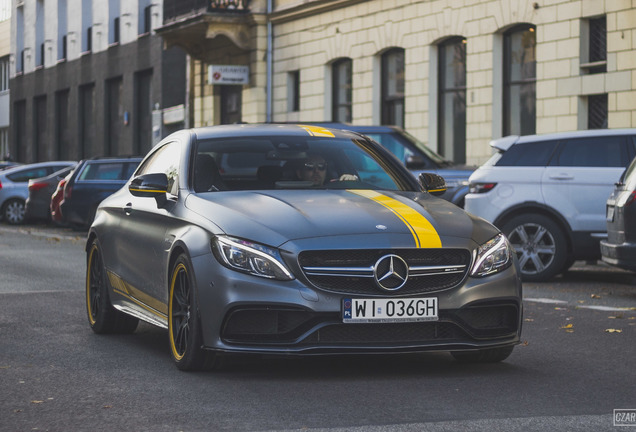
(14, 187)
(265, 239)
(417, 157)
(91, 182)
(619, 248)
(38, 204)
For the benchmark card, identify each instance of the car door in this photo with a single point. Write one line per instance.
(580, 177)
(143, 228)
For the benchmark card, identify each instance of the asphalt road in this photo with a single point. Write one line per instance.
(56, 375)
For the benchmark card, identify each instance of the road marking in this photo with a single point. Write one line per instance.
(578, 306)
(545, 300)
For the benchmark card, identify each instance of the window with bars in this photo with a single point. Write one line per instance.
(520, 80)
(597, 111)
(452, 99)
(341, 83)
(594, 45)
(393, 87)
(293, 91)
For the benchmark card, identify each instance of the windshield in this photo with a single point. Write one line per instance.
(399, 145)
(291, 162)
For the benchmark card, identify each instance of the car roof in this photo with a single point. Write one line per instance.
(274, 129)
(506, 142)
(17, 168)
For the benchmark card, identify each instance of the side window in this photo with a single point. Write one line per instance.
(528, 154)
(101, 171)
(393, 145)
(165, 160)
(129, 170)
(26, 175)
(592, 152)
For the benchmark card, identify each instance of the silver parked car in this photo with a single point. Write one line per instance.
(265, 239)
(14, 187)
(547, 193)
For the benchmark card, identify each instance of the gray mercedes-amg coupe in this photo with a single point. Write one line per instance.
(297, 240)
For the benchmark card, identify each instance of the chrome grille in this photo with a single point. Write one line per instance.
(352, 271)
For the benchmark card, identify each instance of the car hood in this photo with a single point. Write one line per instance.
(348, 218)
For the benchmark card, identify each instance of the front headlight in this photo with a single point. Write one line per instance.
(251, 258)
(493, 256)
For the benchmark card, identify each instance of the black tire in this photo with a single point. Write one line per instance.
(540, 244)
(102, 316)
(490, 355)
(13, 211)
(184, 325)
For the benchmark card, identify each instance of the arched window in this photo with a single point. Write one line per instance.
(341, 90)
(452, 99)
(519, 104)
(393, 87)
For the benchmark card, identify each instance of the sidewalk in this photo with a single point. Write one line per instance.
(47, 231)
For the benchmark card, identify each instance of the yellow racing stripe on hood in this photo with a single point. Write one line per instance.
(423, 231)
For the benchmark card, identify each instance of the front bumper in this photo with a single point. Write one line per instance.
(246, 314)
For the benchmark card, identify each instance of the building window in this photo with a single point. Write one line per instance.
(4, 73)
(62, 29)
(393, 87)
(87, 23)
(519, 105)
(39, 33)
(293, 91)
(19, 39)
(341, 87)
(452, 99)
(144, 14)
(597, 111)
(5, 10)
(594, 45)
(113, 19)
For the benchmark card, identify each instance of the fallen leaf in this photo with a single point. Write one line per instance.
(107, 406)
(525, 343)
(17, 410)
(39, 402)
(613, 331)
(595, 296)
(528, 320)
(581, 301)
(560, 308)
(569, 326)
(618, 316)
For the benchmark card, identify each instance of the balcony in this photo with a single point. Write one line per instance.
(201, 27)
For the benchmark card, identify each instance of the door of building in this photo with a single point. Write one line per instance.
(231, 104)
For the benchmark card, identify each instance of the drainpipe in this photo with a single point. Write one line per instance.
(270, 39)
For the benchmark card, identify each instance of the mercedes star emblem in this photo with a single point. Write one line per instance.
(390, 272)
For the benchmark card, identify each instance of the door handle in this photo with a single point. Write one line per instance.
(128, 209)
(562, 176)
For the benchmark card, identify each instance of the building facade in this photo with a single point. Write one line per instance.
(5, 61)
(91, 78)
(454, 73)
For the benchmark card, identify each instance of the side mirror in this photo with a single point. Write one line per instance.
(415, 162)
(433, 183)
(149, 186)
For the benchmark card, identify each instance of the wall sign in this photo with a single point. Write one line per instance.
(228, 74)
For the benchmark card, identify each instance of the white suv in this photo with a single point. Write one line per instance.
(547, 193)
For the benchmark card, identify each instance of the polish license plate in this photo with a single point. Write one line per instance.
(389, 310)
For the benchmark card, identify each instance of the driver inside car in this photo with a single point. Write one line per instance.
(314, 169)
